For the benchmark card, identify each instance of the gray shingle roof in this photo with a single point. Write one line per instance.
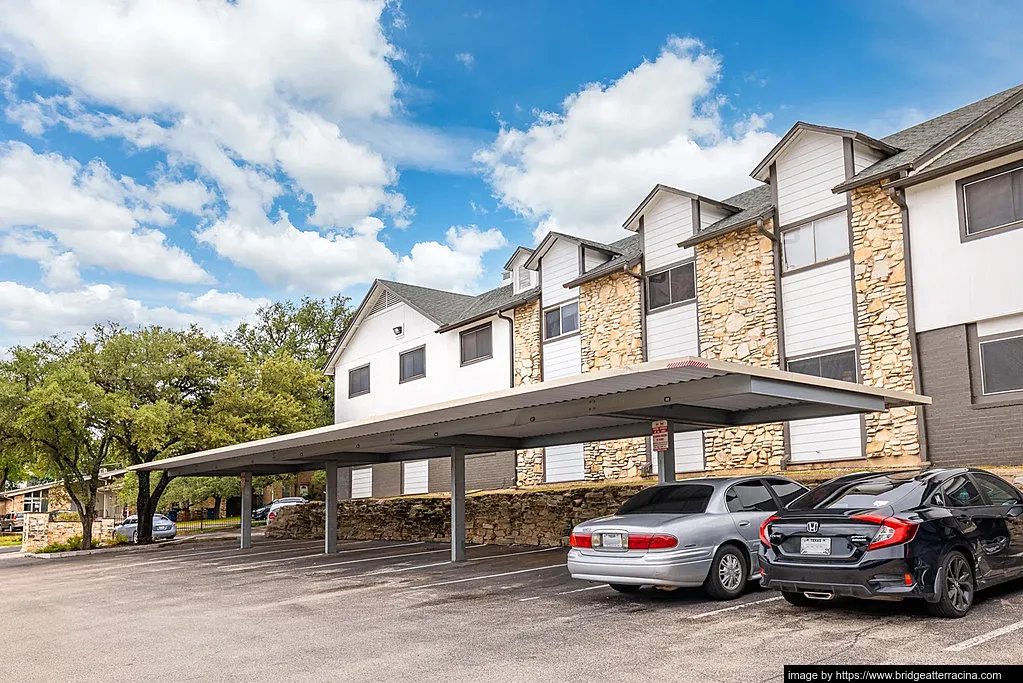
(629, 250)
(440, 306)
(754, 204)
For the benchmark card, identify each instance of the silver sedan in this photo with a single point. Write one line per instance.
(697, 532)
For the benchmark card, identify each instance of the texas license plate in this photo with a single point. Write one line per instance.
(612, 541)
(815, 546)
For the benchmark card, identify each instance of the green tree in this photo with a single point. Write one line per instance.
(307, 330)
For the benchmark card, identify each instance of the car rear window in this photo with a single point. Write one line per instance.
(859, 494)
(677, 499)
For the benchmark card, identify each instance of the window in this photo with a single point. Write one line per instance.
(1001, 365)
(561, 320)
(673, 499)
(960, 492)
(817, 241)
(997, 491)
(412, 364)
(992, 202)
(35, 501)
(671, 286)
(841, 365)
(358, 381)
(787, 491)
(750, 496)
(477, 344)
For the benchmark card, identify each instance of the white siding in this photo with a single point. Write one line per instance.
(559, 265)
(817, 305)
(688, 453)
(375, 343)
(710, 215)
(864, 156)
(826, 438)
(672, 333)
(1009, 323)
(809, 167)
(956, 282)
(563, 463)
(415, 477)
(667, 221)
(594, 258)
(362, 482)
(562, 358)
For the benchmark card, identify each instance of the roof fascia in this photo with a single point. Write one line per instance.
(658, 188)
(924, 176)
(760, 172)
(967, 130)
(507, 264)
(706, 236)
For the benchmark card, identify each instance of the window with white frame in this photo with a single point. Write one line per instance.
(840, 365)
(358, 381)
(992, 202)
(477, 344)
(561, 320)
(817, 241)
(1001, 364)
(35, 501)
(673, 286)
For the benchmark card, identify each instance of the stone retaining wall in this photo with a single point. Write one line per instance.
(40, 532)
(532, 517)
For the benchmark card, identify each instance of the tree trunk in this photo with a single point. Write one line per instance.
(87, 520)
(146, 503)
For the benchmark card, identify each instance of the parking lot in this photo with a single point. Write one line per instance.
(383, 610)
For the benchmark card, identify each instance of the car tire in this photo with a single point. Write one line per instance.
(135, 536)
(958, 590)
(625, 587)
(728, 575)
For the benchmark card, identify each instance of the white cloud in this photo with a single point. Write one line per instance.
(457, 264)
(584, 169)
(465, 59)
(86, 210)
(215, 302)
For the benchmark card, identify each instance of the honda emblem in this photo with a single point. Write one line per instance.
(813, 527)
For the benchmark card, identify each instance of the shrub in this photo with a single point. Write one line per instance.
(66, 517)
(73, 543)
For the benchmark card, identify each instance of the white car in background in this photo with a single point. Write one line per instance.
(279, 505)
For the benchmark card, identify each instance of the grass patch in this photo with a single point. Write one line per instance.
(6, 541)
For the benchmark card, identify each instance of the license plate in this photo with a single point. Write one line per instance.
(612, 541)
(815, 546)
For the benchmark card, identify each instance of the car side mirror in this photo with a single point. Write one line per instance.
(1016, 511)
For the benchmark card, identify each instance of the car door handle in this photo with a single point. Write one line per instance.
(744, 523)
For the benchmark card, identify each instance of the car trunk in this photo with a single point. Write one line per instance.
(611, 535)
(825, 536)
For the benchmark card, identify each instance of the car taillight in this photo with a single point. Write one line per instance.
(580, 540)
(763, 530)
(651, 541)
(893, 530)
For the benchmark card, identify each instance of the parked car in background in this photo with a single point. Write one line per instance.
(163, 529)
(262, 512)
(698, 532)
(277, 505)
(12, 522)
(939, 535)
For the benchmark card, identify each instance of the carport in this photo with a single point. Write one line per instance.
(689, 393)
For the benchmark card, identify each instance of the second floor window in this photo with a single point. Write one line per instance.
(817, 241)
(993, 202)
(841, 365)
(561, 320)
(477, 344)
(673, 286)
(358, 381)
(412, 364)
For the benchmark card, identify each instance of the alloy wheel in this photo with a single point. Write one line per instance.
(730, 572)
(959, 584)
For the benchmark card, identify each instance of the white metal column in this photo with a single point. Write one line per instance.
(330, 514)
(666, 459)
(246, 536)
(457, 504)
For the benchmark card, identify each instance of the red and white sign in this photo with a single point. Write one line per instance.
(659, 429)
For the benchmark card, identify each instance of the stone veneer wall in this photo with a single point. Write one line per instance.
(528, 370)
(886, 358)
(39, 532)
(611, 335)
(738, 320)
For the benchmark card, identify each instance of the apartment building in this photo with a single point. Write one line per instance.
(893, 262)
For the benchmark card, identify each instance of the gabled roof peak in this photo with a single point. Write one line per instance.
(761, 172)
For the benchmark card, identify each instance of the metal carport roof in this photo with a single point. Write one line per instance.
(691, 393)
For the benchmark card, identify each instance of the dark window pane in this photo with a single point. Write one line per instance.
(1002, 365)
(806, 366)
(839, 366)
(671, 499)
(998, 491)
(552, 323)
(683, 283)
(484, 342)
(750, 496)
(787, 491)
(468, 346)
(569, 318)
(659, 290)
(412, 364)
(358, 381)
(898, 490)
(989, 203)
(960, 493)
(476, 344)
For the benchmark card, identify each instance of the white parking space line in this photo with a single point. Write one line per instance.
(580, 590)
(264, 563)
(241, 555)
(321, 567)
(490, 576)
(470, 560)
(733, 608)
(984, 637)
(219, 561)
(186, 557)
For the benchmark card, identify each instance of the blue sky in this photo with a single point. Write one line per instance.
(186, 161)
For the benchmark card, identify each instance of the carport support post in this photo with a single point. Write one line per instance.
(330, 514)
(666, 459)
(246, 540)
(457, 504)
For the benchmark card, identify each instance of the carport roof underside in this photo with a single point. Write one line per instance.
(691, 393)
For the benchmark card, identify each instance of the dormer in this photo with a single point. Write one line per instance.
(517, 274)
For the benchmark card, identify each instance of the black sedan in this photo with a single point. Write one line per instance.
(261, 513)
(939, 535)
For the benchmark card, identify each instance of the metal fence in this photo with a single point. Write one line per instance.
(196, 526)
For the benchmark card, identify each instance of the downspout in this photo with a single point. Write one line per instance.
(898, 196)
(642, 309)
(511, 347)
